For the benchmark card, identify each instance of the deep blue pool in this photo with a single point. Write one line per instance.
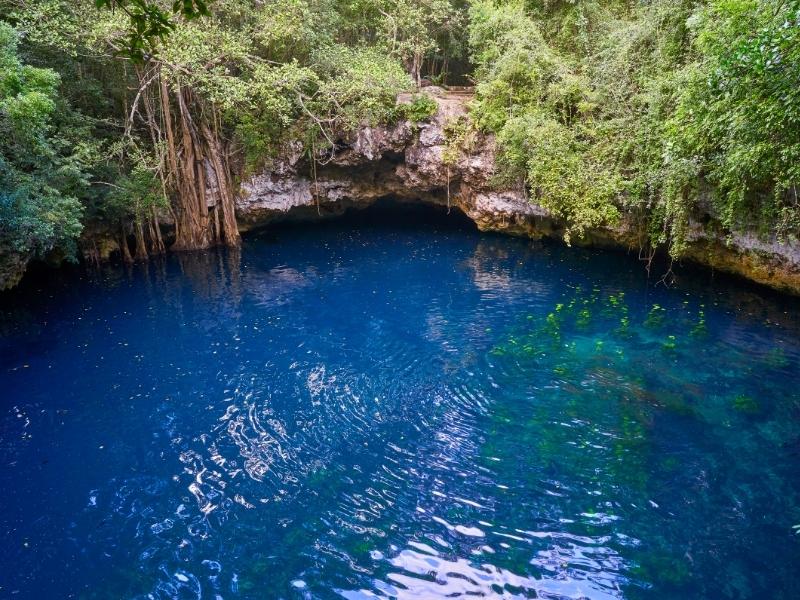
(395, 409)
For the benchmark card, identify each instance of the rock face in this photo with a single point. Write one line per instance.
(12, 268)
(411, 162)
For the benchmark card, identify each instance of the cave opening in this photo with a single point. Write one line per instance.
(403, 212)
(385, 212)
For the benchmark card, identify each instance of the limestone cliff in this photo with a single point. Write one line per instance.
(414, 162)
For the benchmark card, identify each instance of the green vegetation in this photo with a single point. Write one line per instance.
(42, 162)
(150, 23)
(420, 108)
(745, 404)
(669, 110)
(122, 115)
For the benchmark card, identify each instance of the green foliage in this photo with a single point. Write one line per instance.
(531, 97)
(136, 193)
(669, 109)
(42, 170)
(360, 86)
(421, 108)
(345, 88)
(563, 176)
(411, 30)
(459, 135)
(149, 23)
(738, 116)
(272, 107)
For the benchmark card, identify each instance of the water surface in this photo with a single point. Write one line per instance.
(390, 409)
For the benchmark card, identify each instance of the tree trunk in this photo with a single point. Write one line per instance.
(192, 212)
(123, 246)
(156, 241)
(230, 232)
(193, 168)
(141, 248)
(167, 117)
(416, 68)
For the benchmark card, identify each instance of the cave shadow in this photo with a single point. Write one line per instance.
(385, 213)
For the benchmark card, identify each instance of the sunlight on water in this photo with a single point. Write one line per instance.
(398, 411)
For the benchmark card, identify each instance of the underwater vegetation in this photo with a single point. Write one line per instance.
(644, 367)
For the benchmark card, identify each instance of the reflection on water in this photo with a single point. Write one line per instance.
(397, 412)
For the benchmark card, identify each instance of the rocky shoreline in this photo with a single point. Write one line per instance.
(410, 162)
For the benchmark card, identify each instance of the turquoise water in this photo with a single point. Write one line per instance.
(391, 409)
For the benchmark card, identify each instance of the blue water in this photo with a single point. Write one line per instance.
(395, 409)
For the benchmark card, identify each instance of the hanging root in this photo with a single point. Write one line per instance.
(448, 189)
(314, 177)
(669, 277)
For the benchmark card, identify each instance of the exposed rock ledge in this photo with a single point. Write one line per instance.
(406, 162)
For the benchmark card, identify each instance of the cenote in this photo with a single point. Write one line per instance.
(386, 407)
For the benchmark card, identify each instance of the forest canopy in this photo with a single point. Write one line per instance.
(671, 111)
